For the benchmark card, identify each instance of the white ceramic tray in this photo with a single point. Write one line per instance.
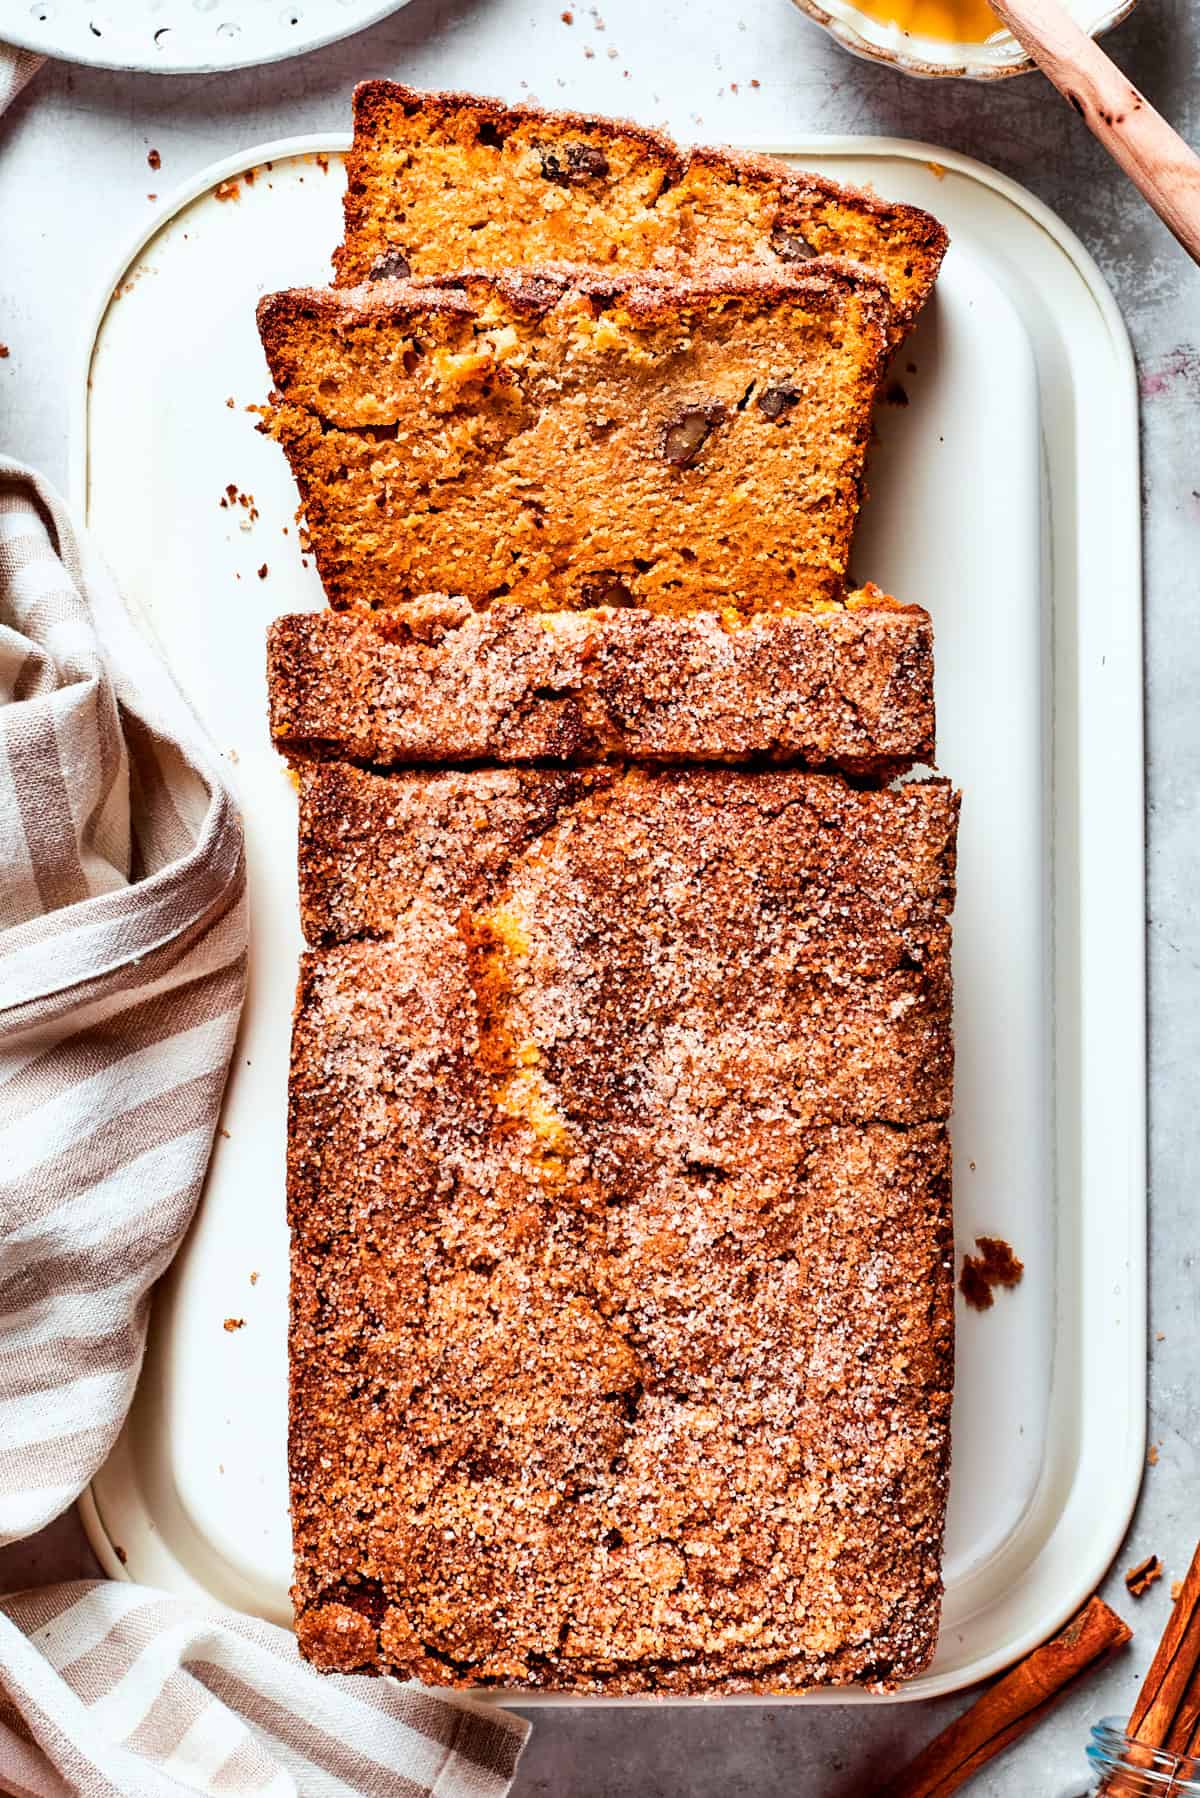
(1004, 496)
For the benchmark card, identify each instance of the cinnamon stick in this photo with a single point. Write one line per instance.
(1184, 1736)
(1168, 1705)
(1013, 1706)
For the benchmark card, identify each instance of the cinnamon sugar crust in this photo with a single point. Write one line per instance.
(871, 869)
(850, 686)
(439, 181)
(623, 1150)
(572, 439)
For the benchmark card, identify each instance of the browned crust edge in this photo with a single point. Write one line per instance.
(649, 296)
(377, 94)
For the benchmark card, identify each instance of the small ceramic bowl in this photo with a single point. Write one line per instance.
(919, 54)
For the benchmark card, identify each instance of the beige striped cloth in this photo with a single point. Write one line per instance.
(122, 965)
(16, 68)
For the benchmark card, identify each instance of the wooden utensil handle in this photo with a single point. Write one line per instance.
(1153, 155)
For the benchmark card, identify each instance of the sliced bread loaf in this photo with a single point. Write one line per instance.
(439, 181)
(584, 440)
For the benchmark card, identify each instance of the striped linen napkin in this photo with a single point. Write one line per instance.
(122, 965)
(16, 68)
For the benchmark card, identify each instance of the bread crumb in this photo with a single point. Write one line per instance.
(254, 1278)
(235, 1323)
(895, 394)
(937, 170)
(568, 18)
(230, 402)
(1139, 1579)
(1152, 1455)
(995, 1265)
(756, 84)
(232, 497)
(5, 352)
(230, 190)
(154, 159)
(1176, 1589)
(263, 572)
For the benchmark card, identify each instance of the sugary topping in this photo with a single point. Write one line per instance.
(619, 1188)
(850, 686)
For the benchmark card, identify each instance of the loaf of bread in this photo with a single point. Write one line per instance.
(438, 182)
(621, 1343)
(849, 687)
(563, 443)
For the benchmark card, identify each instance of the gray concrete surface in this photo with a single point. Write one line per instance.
(73, 186)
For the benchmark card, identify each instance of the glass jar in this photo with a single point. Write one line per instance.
(1124, 1769)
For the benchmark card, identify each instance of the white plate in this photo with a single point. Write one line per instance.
(177, 37)
(1005, 497)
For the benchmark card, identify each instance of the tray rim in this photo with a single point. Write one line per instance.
(1129, 903)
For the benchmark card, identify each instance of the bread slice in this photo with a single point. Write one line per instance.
(441, 181)
(621, 1343)
(675, 445)
(851, 687)
(376, 846)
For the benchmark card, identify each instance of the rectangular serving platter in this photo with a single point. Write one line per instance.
(1003, 496)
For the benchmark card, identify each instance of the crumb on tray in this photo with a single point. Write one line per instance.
(995, 1265)
(1139, 1579)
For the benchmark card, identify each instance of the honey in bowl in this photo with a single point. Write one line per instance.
(951, 21)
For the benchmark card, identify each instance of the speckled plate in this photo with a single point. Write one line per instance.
(177, 37)
(1004, 496)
